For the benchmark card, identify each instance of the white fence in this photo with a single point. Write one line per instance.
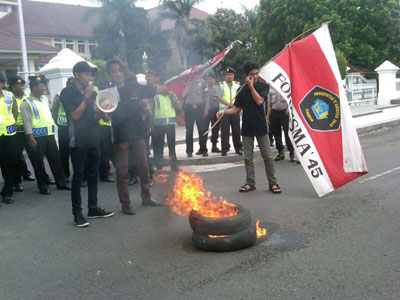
(398, 88)
(360, 90)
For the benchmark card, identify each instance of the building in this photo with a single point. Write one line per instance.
(49, 27)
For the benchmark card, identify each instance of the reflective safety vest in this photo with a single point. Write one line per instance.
(7, 121)
(164, 112)
(228, 93)
(42, 121)
(104, 123)
(61, 119)
(19, 126)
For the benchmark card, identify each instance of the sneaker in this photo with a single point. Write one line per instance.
(128, 209)
(80, 221)
(98, 212)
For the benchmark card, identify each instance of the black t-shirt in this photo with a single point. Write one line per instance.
(127, 120)
(254, 122)
(84, 133)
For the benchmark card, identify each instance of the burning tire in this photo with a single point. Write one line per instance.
(220, 226)
(224, 243)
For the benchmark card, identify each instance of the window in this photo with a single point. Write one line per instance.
(92, 45)
(81, 46)
(70, 44)
(3, 8)
(58, 43)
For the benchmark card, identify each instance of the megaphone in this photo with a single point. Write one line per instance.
(106, 101)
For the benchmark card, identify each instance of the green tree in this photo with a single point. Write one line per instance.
(227, 26)
(367, 31)
(125, 31)
(342, 62)
(179, 12)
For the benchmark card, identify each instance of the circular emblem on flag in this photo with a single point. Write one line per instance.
(321, 109)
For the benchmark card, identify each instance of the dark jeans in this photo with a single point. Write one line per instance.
(8, 160)
(63, 144)
(193, 114)
(227, 122)
(81, 157)
(159, 133)
(22, 168)
(212, 117)
(279, 121)
(46, 147)
(106, 151)
(121, 163)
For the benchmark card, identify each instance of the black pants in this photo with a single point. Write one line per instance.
(193, 114)
(63, 144)
(280, 121)
(8, 160)
(159, 133)
(46, 147)
(212, 117)
(106, 151)
(227, 122)
(22, 168)
(81, 157)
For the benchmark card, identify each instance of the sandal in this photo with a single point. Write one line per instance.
(247, 188)
(275, 189)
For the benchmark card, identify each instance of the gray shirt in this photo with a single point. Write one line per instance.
(197, 94)
(26, 113)
(276, 101)
(214, 92)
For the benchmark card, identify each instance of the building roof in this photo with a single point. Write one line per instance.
(168, 24)
(51, 19)
(10, 42)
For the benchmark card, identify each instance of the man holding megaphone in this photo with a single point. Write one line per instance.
(83, 121)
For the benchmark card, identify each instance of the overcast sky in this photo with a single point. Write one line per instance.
(209, 6)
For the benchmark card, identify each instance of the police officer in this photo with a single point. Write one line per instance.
(229, 88)
(39, 129)
(278, 119)
(60, 118)
(8, 158)
(214, 96)
(16, 85)
(196, 110)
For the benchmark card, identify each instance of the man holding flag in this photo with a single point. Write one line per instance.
(321, 128)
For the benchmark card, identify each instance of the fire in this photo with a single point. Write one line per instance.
(216, 236)
(260, 231)
(188, 193)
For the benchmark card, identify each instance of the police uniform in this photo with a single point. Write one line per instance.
(278, 121)
(8, 158)
(39, 123)
(20, 139)
(228, 93)
(195, 103)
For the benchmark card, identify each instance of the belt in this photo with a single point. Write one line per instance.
(194, 105)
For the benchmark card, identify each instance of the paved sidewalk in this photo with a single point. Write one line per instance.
(366, 118)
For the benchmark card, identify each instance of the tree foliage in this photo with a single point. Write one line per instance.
(366, 31)
(125, 31)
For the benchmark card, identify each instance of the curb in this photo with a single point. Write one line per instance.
(368, 128)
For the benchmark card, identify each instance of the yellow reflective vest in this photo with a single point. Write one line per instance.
(42, 121)
(19, 126)
(228, 93)
(164, 112)
(7, 121)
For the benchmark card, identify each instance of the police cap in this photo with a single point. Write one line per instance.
(33, 80)
(3, 78)
(15, 79)
(230, 70)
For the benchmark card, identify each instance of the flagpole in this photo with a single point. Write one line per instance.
(23, 42)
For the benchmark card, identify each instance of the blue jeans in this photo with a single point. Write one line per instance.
(91, 158)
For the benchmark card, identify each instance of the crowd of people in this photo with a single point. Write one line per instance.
(92, 138)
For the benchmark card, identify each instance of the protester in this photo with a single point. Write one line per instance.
(214, 98)
(229, 88)
(83, 121)
(8, 157)
(278, 119)
(129, 128)
(39, 129)
(196, 110)
(164, 119)
(16, 85)
(252, 100)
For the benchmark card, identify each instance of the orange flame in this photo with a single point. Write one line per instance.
(260, 231)
(216, 236)
(188, 193)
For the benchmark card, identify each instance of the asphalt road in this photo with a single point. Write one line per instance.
(343, 246)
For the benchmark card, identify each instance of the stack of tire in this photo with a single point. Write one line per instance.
(223, 234)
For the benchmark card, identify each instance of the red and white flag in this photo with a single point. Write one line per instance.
(321, 127)
(180, 84)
